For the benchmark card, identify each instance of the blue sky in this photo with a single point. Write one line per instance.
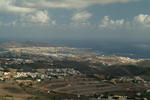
(122, 20)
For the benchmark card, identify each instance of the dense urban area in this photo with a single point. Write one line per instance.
(37, 71)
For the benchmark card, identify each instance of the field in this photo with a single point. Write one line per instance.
(11, 91)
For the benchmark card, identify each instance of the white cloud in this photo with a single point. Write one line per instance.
(25, 15)
(8, 6)
(81, 16)
(31, 19)
(37, 18)
(80, 19)
(142, 20)
(111, 24)
(69, 4)
(28, 6)
(29, 10)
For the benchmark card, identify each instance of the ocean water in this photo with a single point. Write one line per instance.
(127, 49)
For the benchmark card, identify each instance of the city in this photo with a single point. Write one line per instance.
(74, 49)
(71, 73)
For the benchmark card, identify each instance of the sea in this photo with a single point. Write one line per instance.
(134, 49)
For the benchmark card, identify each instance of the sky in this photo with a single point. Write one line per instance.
(121, 20)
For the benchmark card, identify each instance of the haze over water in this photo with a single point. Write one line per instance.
(118, 27)
(127, 49)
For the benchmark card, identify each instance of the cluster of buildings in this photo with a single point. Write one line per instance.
(113, 60)
(73, 53)
(135, 79)
(52, 73)
(117, 97)
(6, 61)
(45, 51)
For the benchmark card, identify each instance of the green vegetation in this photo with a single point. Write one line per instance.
(7, 95)
(49, 97)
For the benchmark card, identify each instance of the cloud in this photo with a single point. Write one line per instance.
(8, 6)
(28, 6)
(80, 19)
(30, 19)
(142, 20)
(81, 16)
(69, 4)
(139, 22)
(26, 16)
(111, 24)
(29, 11)
(37, 18)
